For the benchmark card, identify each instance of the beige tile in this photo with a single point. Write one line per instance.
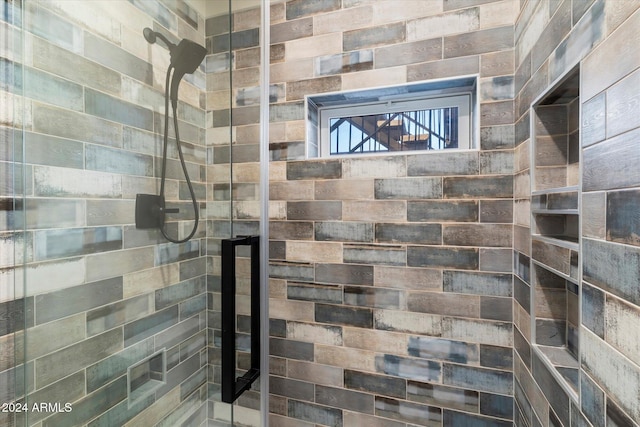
(315, 372)
(311, 47)
(348, 358)
(330, 252)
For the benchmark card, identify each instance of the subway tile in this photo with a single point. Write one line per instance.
(50, 337)
(291, 388)
(496, 357)
(175, 294)
(314, 333)
(147, 326)
(343, 231)
(428, 234)
(550, 387)
(291, 230)
(373, 254)
(118, 263)
(611, 163)
(593, 309)
(477, 42)
(55, 366)
(15, 314)
(496, 308)
(319, 374)
(443, 396)
(443, 69)
(91, 405)
(481, 379)
(374, 36)
(442, 25)
(290, 30)
(491, 186)
(314, 413)
(300, 8)
(479, 331)
(596, 75)
(496, 211)
(62, 303)
(338, 189)
(621, 318)
(495, 405)
(341, 315)
(374, 383)
(442, 211)
(315, 293)
(408, 411)
(454, 419)
(443, 349)
(118, 161)
(408, 188)
(491, 284)
(403, 321)
(622, 222)
(491, 235)
(442, 257)
(116, 58)
(374, 210)
(291, 349)
(616, 416)
(408, 278)
(372, 297)
(444, 303)
(314, 210)
(298, 89)
(116, 364)
(348, 62)
(614, 267)
(497, 137)
(344, 399)
(72, 125)
(593, 126)
(108, 317)
(51, 244)
(408, 53)
(592, 400)
(442, 164)
(291, 271)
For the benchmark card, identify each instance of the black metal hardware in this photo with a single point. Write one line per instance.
(233, 387)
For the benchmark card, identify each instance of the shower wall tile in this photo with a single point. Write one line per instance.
(113, 315)
(48, 150)
(150, 325)
(77, 299)
(72, 125)
(57, 365)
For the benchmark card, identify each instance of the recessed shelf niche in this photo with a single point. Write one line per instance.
(555, 229)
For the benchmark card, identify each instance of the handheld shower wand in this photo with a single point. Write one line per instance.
(186, 56)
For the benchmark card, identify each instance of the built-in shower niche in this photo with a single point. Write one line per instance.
(146, 377)
(555, 229)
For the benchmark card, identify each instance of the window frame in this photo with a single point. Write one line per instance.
(461, 92)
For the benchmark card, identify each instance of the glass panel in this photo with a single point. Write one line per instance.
(16, 311)
(117, 316)
(427, 129)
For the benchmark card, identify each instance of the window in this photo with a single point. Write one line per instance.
(434, 115)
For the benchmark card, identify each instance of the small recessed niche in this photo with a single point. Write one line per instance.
(145, 377)
(555, 229)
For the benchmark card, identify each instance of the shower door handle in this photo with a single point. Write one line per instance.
(233, 387)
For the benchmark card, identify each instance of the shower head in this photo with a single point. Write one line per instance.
(185, 58)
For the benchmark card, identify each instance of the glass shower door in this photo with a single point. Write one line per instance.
(235, 209)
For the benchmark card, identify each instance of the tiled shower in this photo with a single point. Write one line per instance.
(498, 286)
